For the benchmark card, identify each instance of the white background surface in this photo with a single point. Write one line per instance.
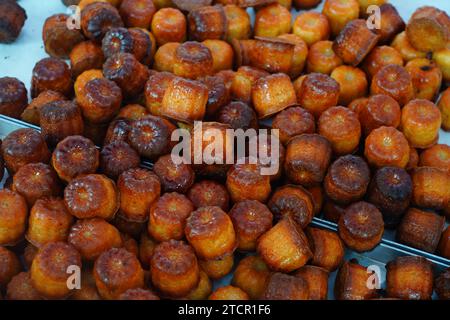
(18, 59)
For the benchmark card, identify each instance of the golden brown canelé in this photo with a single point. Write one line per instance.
(184, 100)
(218, 94)
(238, 23)
(138, 294)
(228, 293)
(409, 277)
(31, 114)
(250, 219)
(347, 179)
(13, 97)
(351, 282)
(146, 248)
(139, 188)
(174, 268)
(51, 74)
(428, 29)
(73, 156)
(312, 27)
(293, 121)
(413, 159)
(340, 13)
(393, 80)
(207, 193)
(93, 236)
(97, 18)
(322, 58)
(207, 22)
(437, 156)
(305, 4)
(421, 229)
(444, 243)
(245, 182)
(390, 191)
(307, 159)
(318, 197)
(203, 289)
(174, 176)
(352, 82)
(251, 276)
(9, 266)
(86, 55)
(431, 188)
(402, 45)
(294, 202)
(354, 42)
(116, 271)
(130, 244)
(441, 59)
(133, 112)
(317, 279)
(21, 288)
(222, 53)
(300, 53)
(155, 89)
(282, 286)
(210, 232)
(24, 146)
(361, 227)
(342, 128)
(36, 180)
(386, 146)
(48, 272)
(168, 25)
(327, 247)
(219, 267)
(379, 57)
(272, 20)
(284, 247)
(127, 72)
(117, 157)
(242, 83)
(137, 13)
(60, 119)
(58, 39)
(92, 195)
(391, 23)
(420, 123)
(317, 93)
(426, 78)
(49, 221)
(442, 285)
(444, 108)
(380, 110)
(332, 211)
(168, 216)
(29, 253)
(13, 18)
(150, 136)
(193, 60)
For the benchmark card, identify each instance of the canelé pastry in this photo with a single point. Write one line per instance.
(294, 202)
(409, 277)
(36, 180)
(238, 23)
(251, 275)
(250, 219)
(293, 121)
(219, 267)
(138, 294)
(307, 159)
(352, 82)
(207, 22)
(13, 97)
(361, 226)
(155, 89)
(222, 53)
(168, 25)
(228, 293)
(322, 58)
(49, 221)
(73, 156)
(93, 236)
(24, 146)
(242, 83)
(351, 282)
(193, 60)
(393, 80)
(380, 110)
(380, 57)
(327, 248)
(391, 23)
(284, 247)
(13, 18)
(174, 268)
(210, 232)
(98, 18)
(10, 266)
(441, 59)
(402, 45)
(116, 271)
(92, 195)
(218, 94)
(426, 78)
(208, 193)
(442, 285)
(48, 271)
(300, 53)
(421, 229)
(430, 187)
(168, 217)
(137, 13)
(317, 279)
(311, 26)
(174, 176)
(203, 289)
(86, 55)
(118, 157)
(272, 20)
(133, 112)
(245, 182)
(444, 108)
(437, 156)
(31, 114)
(339, 13)
(21, 288)
(51, 74)
(390, 191)
(282, 286)
(137, 184)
